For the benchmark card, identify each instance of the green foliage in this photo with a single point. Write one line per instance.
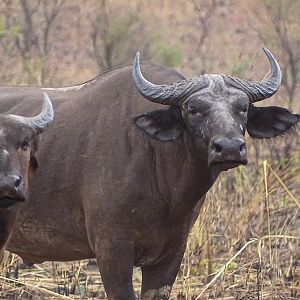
(11, 32)
(233, 266)
(241, 67)
(168, 55)
(2, 28)
(121, 36)
(117, 30)
(122, 27)
(14, 31)
(114, 37)
(7, 36)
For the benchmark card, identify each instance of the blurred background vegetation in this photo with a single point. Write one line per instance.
(248, 232)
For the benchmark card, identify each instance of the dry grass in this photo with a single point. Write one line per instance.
(244, 245)
(250, 249)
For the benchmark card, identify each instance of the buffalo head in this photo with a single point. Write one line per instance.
(18, 143)
(217, 110)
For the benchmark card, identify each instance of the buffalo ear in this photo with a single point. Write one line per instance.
(162, 125)
(270, 121)
(33, 163)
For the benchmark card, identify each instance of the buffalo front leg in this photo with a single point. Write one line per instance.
(115, 260)
(158, 279)
(7, 219)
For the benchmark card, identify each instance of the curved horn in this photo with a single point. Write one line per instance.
(43, 119)
(260, 90)
(164, 94)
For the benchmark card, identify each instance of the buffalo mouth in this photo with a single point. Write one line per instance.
(226, 165)
(7, 201)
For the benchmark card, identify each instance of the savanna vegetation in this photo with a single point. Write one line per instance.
(246, 241)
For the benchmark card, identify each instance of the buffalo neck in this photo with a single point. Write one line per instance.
(183, 176)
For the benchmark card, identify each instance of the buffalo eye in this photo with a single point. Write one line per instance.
(25, 145)
(244, 110)
(193, 111)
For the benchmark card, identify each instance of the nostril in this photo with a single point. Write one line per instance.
(243, 148)
(217, 148)
(18, 181)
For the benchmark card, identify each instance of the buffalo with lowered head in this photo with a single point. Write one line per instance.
(19, 138)
(123, 179)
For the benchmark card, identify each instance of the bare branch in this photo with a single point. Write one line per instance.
(204, 16)
(107, 35)
(29, 36)
(49, 15)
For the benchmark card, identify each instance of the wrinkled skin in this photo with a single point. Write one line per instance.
(109, 187)
(221, 115)
(18, 144)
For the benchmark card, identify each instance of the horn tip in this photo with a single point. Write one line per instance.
(269, 54)
(137, 57)
(136, 67)
(266, 50)
(48, 104)
(45, 95)
(47, 99)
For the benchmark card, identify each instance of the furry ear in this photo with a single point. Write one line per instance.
(33, 163)
(162, 125)
(270, 121)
